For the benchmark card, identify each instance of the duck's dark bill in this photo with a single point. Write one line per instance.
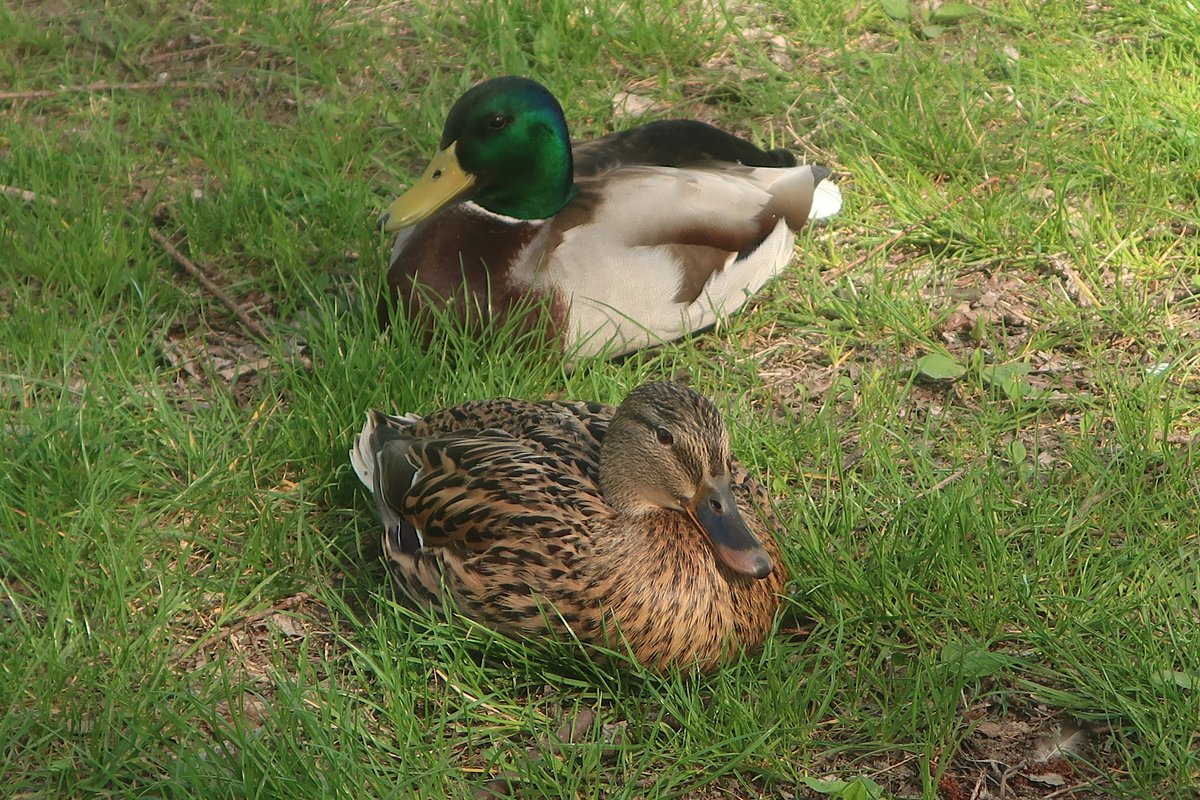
(442, 183)
(715, 510)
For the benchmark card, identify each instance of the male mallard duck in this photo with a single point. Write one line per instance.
(629, 528)
(630, 240)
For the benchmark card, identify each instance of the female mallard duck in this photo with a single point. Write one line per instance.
(629, 529)
(630, 240)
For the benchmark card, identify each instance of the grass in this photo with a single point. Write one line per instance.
(190, 598)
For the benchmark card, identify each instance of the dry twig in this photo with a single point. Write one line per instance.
(103, 86)
(182, 55)
(252, 325)
(26, 196)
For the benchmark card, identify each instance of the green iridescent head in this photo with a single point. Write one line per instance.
(504, 146)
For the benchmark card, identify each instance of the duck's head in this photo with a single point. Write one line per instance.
(505, 146)
(666, 448)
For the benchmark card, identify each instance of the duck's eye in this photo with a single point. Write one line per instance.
(497, 122)
(665, 437)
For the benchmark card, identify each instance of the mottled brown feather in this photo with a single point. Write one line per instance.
(520, 537)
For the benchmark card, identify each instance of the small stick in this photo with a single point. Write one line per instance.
(180, 55)
(286, 604)
(103, 86)
(25, 195)
(943, 483)
(891, 240)
(192, 267)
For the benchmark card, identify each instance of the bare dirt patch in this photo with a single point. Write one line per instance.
(206, 360)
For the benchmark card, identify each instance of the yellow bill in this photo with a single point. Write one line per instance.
(442, 182)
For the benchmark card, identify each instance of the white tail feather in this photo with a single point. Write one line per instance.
(361, 456)
(827, 201)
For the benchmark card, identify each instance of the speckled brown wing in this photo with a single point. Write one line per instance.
(476, 488)
(570, 431)
(468, 476)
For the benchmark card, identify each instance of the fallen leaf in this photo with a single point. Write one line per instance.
(1047, 779)
(1173, 677)
(900, 10)
(939, 367)
(1010, 379)
(287, 625)
(974, 662)
(952, 13)
(860, 788)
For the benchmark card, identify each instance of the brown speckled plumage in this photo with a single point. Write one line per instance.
(499, 503)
